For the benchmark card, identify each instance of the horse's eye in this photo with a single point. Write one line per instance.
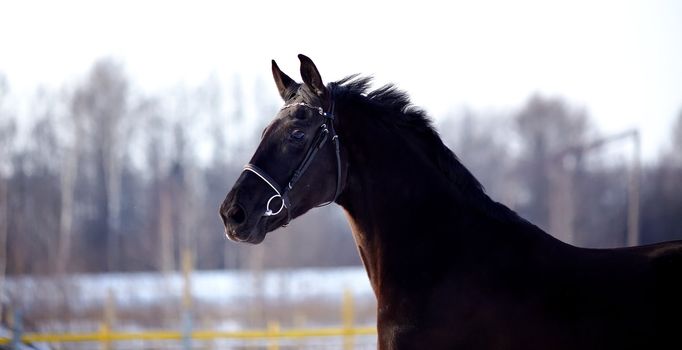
(297, 134)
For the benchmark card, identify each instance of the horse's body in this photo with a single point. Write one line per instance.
(451, 268)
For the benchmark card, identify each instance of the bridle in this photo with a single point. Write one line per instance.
(324, 131)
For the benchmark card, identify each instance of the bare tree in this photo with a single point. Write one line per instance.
(482, 142)
(102, 104)
(662, 193)
(676, 152)
(547, 126)
(72, 145)
(42, 164)
(160, 225)
(7, 132)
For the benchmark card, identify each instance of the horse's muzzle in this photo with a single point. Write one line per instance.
(234, 218)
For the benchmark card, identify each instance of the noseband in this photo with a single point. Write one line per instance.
(321, 137)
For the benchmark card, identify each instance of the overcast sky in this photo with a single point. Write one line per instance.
(622, 60)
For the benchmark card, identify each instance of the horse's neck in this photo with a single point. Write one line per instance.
(397, 222)
(411, 223)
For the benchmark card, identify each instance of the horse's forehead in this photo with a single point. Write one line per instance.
(292, 108)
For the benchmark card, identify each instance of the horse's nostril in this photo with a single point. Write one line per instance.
(223, 217)
(236, 215)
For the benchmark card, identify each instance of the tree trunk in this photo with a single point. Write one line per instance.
(3, 235)
(66, 209)
(166, 257)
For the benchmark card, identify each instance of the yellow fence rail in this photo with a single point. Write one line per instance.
(272, 332)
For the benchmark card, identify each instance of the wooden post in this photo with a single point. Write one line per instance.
(561, 174)
(108, 320)
(257, 309)
(273, 335)
(347, 315)
(104, 339)
(632, 238)
(633, 192)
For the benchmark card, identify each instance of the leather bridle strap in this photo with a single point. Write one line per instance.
(321, 137)
(273, 184)
(335, 140)
(318, 142)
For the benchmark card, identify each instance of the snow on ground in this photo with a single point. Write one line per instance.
(207, 286)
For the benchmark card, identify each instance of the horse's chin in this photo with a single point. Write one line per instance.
(256, 233)
(257, 238)
(252, 236)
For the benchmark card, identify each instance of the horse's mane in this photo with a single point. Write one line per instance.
(397, 108)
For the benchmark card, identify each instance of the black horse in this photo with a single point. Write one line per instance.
(451, 268)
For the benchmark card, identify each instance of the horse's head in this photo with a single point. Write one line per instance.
(296, 166)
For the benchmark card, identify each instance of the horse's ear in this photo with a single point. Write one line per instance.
(311, 76)
(283, 82)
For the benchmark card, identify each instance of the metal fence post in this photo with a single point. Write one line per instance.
(187, 299)
(17, 329)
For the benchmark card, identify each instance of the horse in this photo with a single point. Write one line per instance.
(450, 267)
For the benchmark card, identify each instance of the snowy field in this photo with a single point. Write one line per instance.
(215, 287)
(223, 300)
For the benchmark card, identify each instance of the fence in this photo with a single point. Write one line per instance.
(348, 335)
(273, 336)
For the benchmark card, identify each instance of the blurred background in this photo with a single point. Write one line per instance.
(123, 124)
